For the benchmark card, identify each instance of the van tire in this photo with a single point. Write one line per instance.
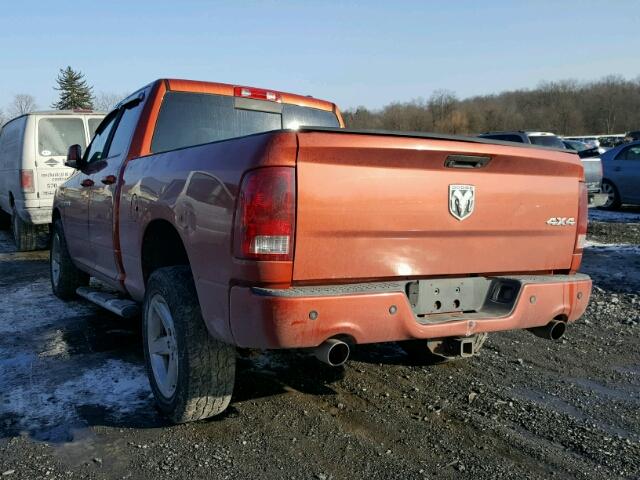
(28, 236)
(5, 220)
(205, 366)
(68, 278)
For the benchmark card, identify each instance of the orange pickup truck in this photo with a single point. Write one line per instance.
(231, 216)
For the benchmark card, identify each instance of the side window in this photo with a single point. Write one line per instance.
(96, 149)
(124, 130)
(633, 153)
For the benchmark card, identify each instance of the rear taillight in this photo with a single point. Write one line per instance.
(265, 217)
(257, 94)
(583, 218)
(26, 181)
(581, 230)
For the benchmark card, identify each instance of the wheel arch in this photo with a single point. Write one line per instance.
(55, 215)
(162, 246)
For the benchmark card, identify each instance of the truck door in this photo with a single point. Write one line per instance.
(104, 194)
(76, 193)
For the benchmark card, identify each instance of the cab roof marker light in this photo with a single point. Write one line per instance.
(257, 94)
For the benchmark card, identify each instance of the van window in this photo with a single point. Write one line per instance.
(187, 119)
(11, 142)
(93, 126)
(56, 135)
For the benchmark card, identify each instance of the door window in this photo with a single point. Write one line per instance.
(97, 148)
(124, 130)
(632, 153)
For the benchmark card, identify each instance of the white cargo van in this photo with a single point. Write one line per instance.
(33, 149)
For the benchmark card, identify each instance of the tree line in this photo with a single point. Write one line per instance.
(73, 93)
(567, 107)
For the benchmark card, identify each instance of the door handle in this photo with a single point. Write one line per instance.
(109, 180)
(87, 182)
(616, 169)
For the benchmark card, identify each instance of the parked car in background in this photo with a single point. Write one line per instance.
(33, 149)
(590, 160)
(632, 136)
(610, 141)
(621, 175)
(542, 139)
(232, 216)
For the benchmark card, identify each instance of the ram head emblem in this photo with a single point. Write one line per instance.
(462, 199)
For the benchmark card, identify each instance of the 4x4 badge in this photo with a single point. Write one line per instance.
(462, 200)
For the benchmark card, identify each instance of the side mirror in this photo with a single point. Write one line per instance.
(74, 157)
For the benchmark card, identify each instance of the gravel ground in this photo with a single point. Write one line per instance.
(75, 402)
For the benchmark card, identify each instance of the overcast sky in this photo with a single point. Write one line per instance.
(354, 53)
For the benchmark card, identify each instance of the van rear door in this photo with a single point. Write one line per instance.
(54, 135)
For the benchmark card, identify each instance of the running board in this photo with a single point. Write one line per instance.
(123, 307)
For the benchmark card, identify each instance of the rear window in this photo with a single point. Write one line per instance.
(187, 119)
(295, 116)
(546, 141)
(56, 135)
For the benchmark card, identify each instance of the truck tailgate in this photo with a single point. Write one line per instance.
(377, 206)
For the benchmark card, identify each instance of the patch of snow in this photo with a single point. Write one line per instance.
(34, 305)
(56, 346)
(119, 387)
(622, 248)
(613, 217)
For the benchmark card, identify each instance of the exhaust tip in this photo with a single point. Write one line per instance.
(554, 330)
(557, 330)
(333, 352)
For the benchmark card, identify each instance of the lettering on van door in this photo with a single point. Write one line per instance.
(49, 180)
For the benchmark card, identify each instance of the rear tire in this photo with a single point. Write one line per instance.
(191, 373)
(65, 276)
(421, 352)
(613, 201)
(28, 236)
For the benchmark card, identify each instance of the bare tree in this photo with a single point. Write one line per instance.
(106, 101)
(22, 103)
(566, 107)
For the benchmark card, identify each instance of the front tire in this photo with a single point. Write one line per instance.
(191, 373)
(613, 197)
(65, 276)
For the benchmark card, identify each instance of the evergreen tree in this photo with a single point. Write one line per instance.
(74, 91)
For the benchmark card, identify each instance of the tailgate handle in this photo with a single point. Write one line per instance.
(466, 161)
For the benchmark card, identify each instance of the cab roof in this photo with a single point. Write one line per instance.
(195, 86)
